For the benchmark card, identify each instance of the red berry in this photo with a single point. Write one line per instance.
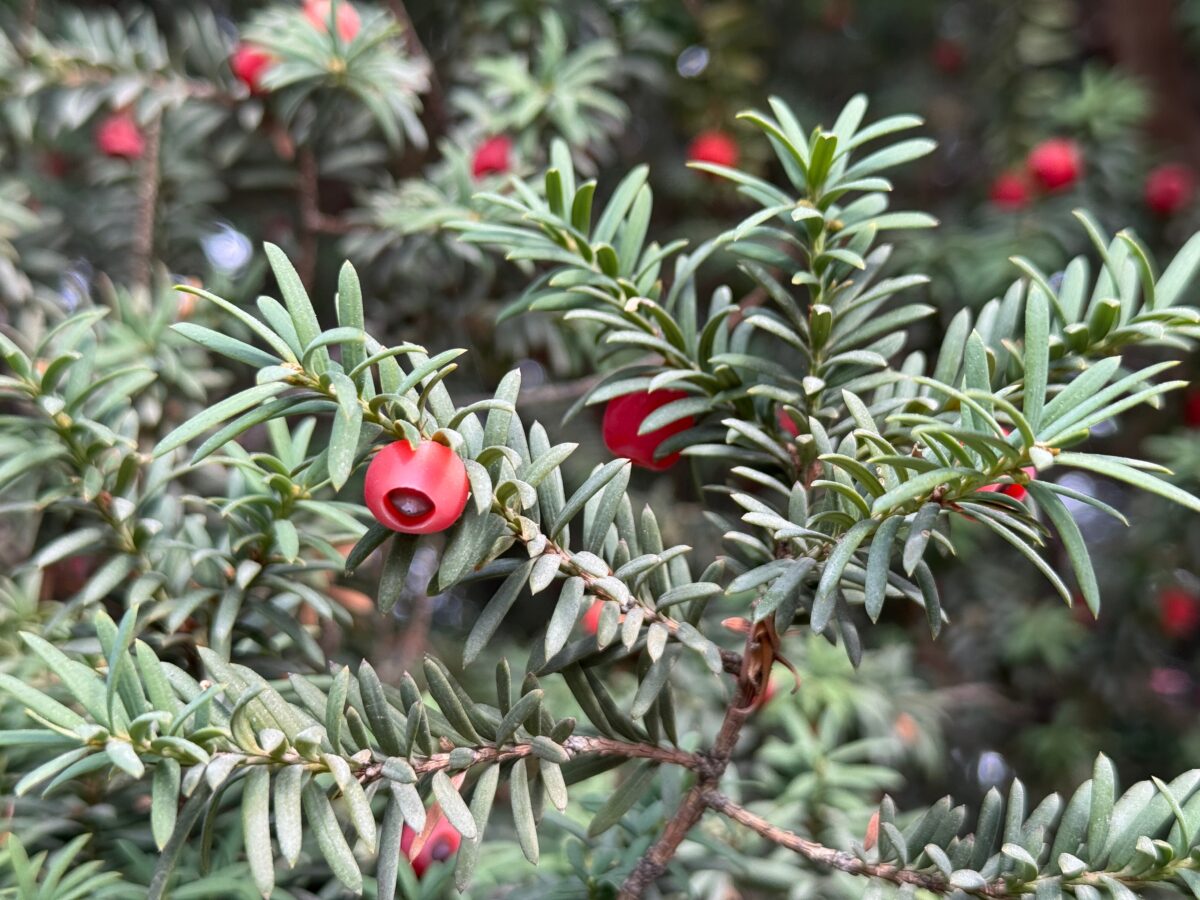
(1010, 191)
(948, 55)
(119, 136)
(416, 491)
(786, 423)
(442, 844)
(1191, 409)
(591, 618)
(1016, 491)
(1055, 164)
(491, 157)
(1169, 188)
(249, 63)
(623, 417)
(1180, 611)
(348, 21)
(714, 147)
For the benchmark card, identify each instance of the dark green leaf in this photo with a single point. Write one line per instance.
(632, 789)
(453, 807)
(481, 809)
(256, 827)
(831, 575)
(216, 414)
(322, 822)
(522, 809)
(495, 611)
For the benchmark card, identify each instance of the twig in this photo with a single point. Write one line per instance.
(652, 865)
(435, 102)
(149, 176)
(576, 745)
(929, 881)
(731, 662)
(837, 859)
(310, 214)
(598, 746)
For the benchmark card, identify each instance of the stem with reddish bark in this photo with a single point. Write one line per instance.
(827, 856)
(149, 177)
(310, 214)
(848, 862)
(435, 104)
(651, 866)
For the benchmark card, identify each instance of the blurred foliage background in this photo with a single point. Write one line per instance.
(441, 99)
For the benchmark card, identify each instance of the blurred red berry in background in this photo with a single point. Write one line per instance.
(714, 147)
(248, 63)
(948, 55)
(1180, 612)
(786, 422)
(1010, 191)
(491, 157)
(1169, 189)
(118, 136)
(1055, 164)
(348, 20)
(1191, 409)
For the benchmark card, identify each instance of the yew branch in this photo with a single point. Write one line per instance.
(654, 863)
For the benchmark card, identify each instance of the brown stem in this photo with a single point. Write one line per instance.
(1145, 38)
(654, 863)
(737, 712)
(575, 746)
(651, 866)
(929, 881)
(149, 176)
(837, 859)
(598, 746)
(310, 214)
(435, 103)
